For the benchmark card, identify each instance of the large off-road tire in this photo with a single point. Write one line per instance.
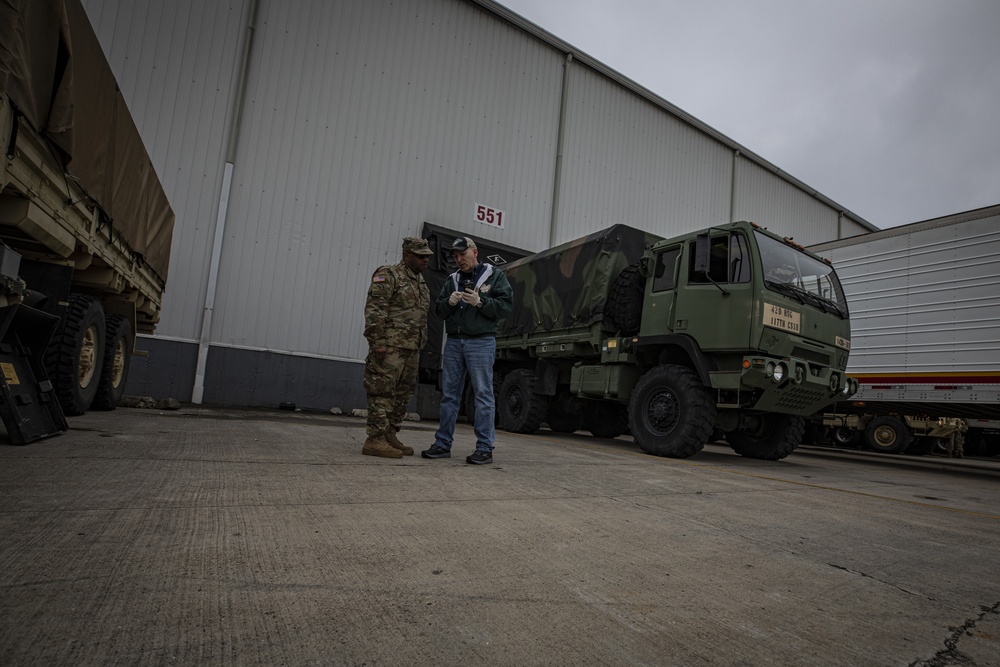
(888, 435)
(671, 413)
(562, 422)
(521, 410)
(76, 355)
(117, 359)
(606, 420)
(772, 437)
(624, 308)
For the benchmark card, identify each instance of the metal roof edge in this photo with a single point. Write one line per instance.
(943, 221)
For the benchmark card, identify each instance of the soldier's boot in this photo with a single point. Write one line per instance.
(394, 442)
(379, 447)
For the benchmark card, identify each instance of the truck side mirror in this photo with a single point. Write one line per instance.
(702, 253)
(644, 266)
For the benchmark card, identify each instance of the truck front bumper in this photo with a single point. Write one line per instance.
(795, 386)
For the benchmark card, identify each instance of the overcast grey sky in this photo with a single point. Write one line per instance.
(889, 107)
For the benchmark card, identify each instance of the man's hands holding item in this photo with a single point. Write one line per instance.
(454, 298)
(471, 297)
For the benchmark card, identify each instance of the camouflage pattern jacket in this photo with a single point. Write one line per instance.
(396, 308)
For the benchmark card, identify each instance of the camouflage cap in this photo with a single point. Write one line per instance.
(417, 246)
(462, 243)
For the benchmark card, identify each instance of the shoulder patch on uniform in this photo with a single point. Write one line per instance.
(378, 279)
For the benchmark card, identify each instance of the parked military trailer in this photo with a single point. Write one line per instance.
(728, 332)
(85, 226)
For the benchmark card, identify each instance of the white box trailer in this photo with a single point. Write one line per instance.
(925, 329)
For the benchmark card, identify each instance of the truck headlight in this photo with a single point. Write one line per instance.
(779, 373)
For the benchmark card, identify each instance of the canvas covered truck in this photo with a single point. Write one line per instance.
(728, 332)
(85, 226)
(925, 306)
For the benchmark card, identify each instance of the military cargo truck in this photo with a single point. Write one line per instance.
(729, 332)
(85, 227)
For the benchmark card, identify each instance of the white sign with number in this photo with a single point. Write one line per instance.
(489, 216)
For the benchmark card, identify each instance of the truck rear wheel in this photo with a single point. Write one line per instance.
(771, 438)
(562, 422)
(117, 358)
(76, 355)
(888, 435)
(671, 413)
(606, 420)
(521, 410)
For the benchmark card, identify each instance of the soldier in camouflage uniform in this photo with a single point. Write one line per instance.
(396, 329)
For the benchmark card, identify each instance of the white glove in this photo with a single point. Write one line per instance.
(454, 298)
(471, 298)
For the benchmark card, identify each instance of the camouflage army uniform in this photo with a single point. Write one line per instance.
(396, 318)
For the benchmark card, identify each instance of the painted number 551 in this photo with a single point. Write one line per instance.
(489, 216)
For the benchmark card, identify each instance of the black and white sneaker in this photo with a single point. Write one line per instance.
(479, 457)
(436, 452)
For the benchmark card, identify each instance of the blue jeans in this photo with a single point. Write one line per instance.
(475, 357)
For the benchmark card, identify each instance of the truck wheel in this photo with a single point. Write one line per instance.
(561, 422)
(625, 304)
(887, 435)
(521, 410)
(671, 413)
(842, 436)
(76, 355)
(772, 438)
(606, 420)
(117, 358)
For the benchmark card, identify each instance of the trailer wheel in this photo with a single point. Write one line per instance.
(671, 413)
(625, 303)
(606, 420)
(842, 436)
(772, 437)
(76, 355)
(521, 410)
(888, 435)
(117, 358)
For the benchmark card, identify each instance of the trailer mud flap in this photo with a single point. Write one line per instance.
(28, 404)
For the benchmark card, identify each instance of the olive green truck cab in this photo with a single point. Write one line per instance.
(731, 331)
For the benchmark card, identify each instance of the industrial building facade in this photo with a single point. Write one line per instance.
(298, 142)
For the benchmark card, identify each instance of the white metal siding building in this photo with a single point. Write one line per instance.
(299, 141)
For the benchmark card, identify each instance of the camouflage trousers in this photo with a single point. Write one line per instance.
(390, 384)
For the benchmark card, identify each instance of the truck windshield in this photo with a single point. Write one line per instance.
(796, 274)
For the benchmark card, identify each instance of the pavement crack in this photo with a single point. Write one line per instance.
(881, 581)
(950, 655)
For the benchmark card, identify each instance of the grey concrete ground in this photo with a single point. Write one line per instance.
(225, 537)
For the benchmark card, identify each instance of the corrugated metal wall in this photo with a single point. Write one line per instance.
(924, 298)
(363, 120)
(627, 161)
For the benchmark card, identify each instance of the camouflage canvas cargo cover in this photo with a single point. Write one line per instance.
(567, 287)
(55, 84)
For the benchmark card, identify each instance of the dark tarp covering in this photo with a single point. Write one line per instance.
(568, 286)
(54, 71)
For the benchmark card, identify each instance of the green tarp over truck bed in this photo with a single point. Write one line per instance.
(54, 71)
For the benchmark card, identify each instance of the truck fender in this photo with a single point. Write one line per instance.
(700, 363)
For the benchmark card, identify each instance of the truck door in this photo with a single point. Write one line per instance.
(716, 308)
(658, 312)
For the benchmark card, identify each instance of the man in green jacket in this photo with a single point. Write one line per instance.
(472, 302)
